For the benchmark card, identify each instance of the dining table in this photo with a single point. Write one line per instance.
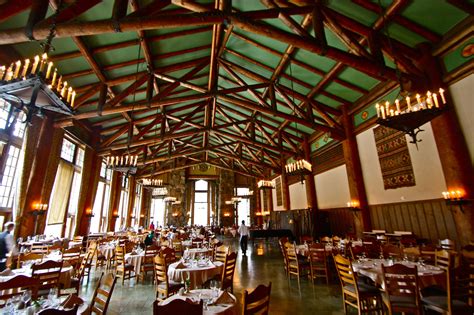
(193, 253)
(198, 272)
(220, 302)
(67, 271)
(135, 259)
(428, 275)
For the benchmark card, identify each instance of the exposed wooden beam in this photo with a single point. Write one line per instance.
(11, 8)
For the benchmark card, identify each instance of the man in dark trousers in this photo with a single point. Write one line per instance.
(6, 244)
(244, 237)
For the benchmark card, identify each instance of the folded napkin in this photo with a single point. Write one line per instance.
(224, 298)
(133, 253)
(7, 272)
(180, 265)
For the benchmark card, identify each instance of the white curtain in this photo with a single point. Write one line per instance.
(60, 195)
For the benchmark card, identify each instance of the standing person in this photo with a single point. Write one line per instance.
(7, 244)
(152, 226)
(244, 236)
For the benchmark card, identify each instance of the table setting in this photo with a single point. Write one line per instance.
(135, 258)
(197, 271)
(428, 275)
(215, 301)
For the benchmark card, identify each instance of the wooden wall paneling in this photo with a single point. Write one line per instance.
(449, 220)
(401, 218)
(422, 219)
(432, 227)
(405, 215)
(440, 220)
(379, 211)
(415, 220)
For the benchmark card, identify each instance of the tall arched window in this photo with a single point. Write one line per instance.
(201, 203)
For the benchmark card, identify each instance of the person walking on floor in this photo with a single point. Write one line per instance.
(244, 236)
(7, 244)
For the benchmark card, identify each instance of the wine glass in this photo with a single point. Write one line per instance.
(214, 285)
(26, 297)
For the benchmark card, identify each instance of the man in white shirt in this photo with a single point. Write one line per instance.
(244, 236)
(7, 244)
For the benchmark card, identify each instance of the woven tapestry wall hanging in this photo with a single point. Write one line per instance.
(394, 158)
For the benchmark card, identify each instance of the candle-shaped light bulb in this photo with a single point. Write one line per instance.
(397, 104)
(107, 161)
(2, 72)
(69, 94)
(418, 99)
(429, 100)
(126, 159)
(387, 107)
(9, 74)
(121, 160)
(435, 99)
(377, 107)
(64, 89)
(112, 160)
(53, 81)
(407, 99)
(26, 64)
(44, 57)
(136, 160)
(58, 87)
(17, 69)
(48, 71)
(35, 64)
(382, 111)
(441, 92)
(458, 194)
(392, 112)
(73, 97)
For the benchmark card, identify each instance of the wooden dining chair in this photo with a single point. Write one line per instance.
(428, 253)
(444, 259)
(54, 311)
(306, 239)
(72, 256)
(296, 266)
(164, 287)
(401, 289)
(122, 268)
(147, 260)
(178, 248)
(56, 247)
(48, 274)
(220, 253)
(16, 286)
(282, 241)
(326, 240)
(447, 244)
(412, 253)
(23, 257)
(103, 294)
(318, 262)
(258, 301)
(459, 295)
(363, 297)
(79, 274)
(356, 251)
(391, 250)
(169, 254)
(178, 306)
(227, 279)
(39, 249)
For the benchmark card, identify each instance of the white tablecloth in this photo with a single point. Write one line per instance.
(372, 268)
(197, 275)
(107, 250)
(135, 260)
(221, 309)
(65, 277)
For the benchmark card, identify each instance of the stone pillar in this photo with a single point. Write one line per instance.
(452, 149)
(89, 182)
(177, 215)
(42, 149)
(144, 207)
(355, 176)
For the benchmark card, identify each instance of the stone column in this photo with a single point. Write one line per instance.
(226, 192)
(115, 190)
(310, 186)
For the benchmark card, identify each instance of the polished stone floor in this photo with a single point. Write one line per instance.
(262, 265)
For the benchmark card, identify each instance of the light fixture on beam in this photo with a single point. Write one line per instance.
(455, 198)
(170, 200)
(126, 164)
(299, 167)
(416, 112)
(35, 85)
(265, 184)
(159, 192)
(152, 183)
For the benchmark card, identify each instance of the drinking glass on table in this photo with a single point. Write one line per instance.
(26, 297)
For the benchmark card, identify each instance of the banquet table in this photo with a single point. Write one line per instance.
(213, 309)
(198, 274)
(428, 275)
(136, 260)
(65, 278)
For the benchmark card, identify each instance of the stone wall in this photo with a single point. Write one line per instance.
(177, 214)
(226, 192)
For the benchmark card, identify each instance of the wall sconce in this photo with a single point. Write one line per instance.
(39, 208)
(89, 213)
(353, 205)
(142, 215)
(115, 214)
(455, 198)
(226, 214)
(175, 214)
(258, 213)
